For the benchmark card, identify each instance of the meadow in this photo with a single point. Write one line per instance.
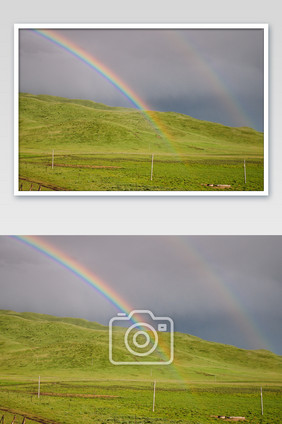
(78, 384)
(79, 145)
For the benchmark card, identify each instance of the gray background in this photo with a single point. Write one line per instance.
(139, 215)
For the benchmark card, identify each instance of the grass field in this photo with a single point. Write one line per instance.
(80, 385)
(102, 148)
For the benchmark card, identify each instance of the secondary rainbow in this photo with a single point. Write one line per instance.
(227, 295)
(192, 52)
(94, 63)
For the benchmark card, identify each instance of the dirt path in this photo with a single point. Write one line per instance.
(75, 395)
(74, 165)
(29, 416)
(87, 166)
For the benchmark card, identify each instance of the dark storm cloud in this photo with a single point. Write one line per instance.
(226, 289)
(204, 69)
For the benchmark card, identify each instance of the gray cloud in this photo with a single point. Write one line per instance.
(196, 72)
(226, 289)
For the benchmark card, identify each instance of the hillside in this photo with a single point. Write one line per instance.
(80, 145)
(32, 343)
(67, 124)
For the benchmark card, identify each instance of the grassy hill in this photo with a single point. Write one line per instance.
(48, 121)
(33, 342)
(78, 384)
(102, 148)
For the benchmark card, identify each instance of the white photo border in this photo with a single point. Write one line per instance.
(263, 26)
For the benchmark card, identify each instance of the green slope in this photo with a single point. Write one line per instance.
(32, 343)
(85, 126)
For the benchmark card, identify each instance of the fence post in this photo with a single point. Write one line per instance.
(152, 167)
(261, 401)
(245, 175)
(154, 396)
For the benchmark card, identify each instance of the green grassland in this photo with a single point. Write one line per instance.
(80, 385)
(102, 148)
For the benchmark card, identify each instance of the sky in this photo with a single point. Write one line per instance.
(225, 289)
(214, 75)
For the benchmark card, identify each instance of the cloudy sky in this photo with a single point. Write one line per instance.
(220, 288)
(215, 75)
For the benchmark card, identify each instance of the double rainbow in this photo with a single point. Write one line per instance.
(182, 248)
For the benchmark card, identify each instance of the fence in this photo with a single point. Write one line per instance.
(2, 421)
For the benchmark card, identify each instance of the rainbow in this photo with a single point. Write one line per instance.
(77, 269)
(110, 76)
(89, 278)
(192, 51)
(185, 247)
